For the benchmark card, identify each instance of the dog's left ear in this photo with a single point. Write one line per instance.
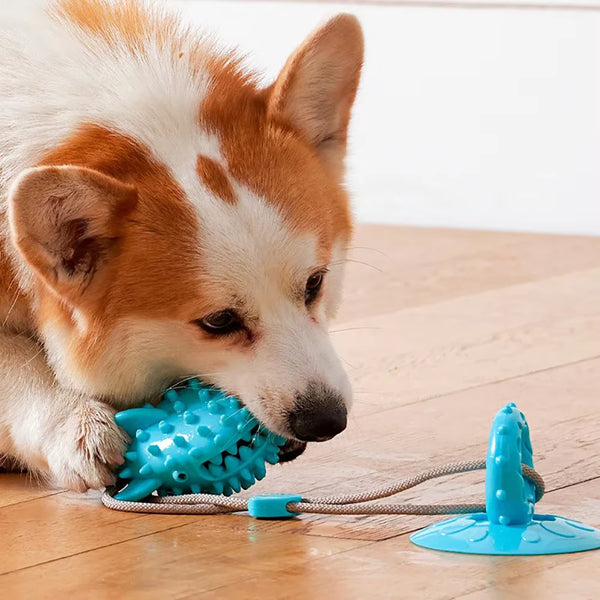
(66, 222)
(315, 90)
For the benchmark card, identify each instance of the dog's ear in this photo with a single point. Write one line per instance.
(315, 90)
(66, 221)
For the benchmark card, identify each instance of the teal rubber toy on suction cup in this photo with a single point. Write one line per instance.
(197, 440)
(509, 526)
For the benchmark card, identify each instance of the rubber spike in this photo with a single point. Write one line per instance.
(146, 469)
(234, 482)
(246, 483)
(171, 395)
(246, 453)
(189, 418)
(126, 473)
(154, 449)
(231, 463)
(180, 441)
(196, 453)
(245, 475)
(142, 435)
(138, 489)
(259, 469)
(272, 458)
(166, 427)
(218, 487)
(213, 407)
(220, 439)
(139, 418)
(216, 470)
(204, 474)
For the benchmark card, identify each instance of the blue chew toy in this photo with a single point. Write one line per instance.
(197, 440)
(509, 525)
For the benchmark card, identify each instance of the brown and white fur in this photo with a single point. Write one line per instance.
(147, 183)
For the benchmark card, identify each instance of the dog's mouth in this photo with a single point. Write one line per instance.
(291, 450)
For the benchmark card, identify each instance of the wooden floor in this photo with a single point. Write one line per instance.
(439, 329)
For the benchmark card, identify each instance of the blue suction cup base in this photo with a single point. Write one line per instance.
(474, 534)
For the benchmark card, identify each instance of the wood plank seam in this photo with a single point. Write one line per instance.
(67, 556)
(57, 493)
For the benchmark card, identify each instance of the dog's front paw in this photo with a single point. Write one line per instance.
(87, 448)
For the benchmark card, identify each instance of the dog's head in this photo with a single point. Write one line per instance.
(214, 250)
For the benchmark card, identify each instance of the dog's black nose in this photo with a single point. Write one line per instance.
(319, 414)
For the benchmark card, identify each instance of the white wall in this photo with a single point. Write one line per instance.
(466, 117)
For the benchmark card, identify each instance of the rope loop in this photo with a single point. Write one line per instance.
(348, 504)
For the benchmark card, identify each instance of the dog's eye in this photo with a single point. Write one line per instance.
(313, 287)
(221, 322)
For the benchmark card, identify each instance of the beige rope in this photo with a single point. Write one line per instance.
(347, 504)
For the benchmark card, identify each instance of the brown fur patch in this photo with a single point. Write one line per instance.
(276, 163)
(215, 179)
(159, 238)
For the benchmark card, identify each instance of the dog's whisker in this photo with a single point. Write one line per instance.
(375, 392)
(180, 382)
(358, 262)
(350, 365)
(368, 248)
(30, 360)
(239, 410)
(258, 430)
(353, 329)
(10, 309)
(197, 376)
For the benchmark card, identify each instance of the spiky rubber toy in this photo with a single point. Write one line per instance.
(197, 440)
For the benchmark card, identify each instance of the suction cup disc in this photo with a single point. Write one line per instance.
(474, 534)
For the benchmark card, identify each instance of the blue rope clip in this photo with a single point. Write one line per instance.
(273, 506)
(509, 526)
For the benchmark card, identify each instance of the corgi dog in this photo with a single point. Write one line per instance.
(164, 216)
